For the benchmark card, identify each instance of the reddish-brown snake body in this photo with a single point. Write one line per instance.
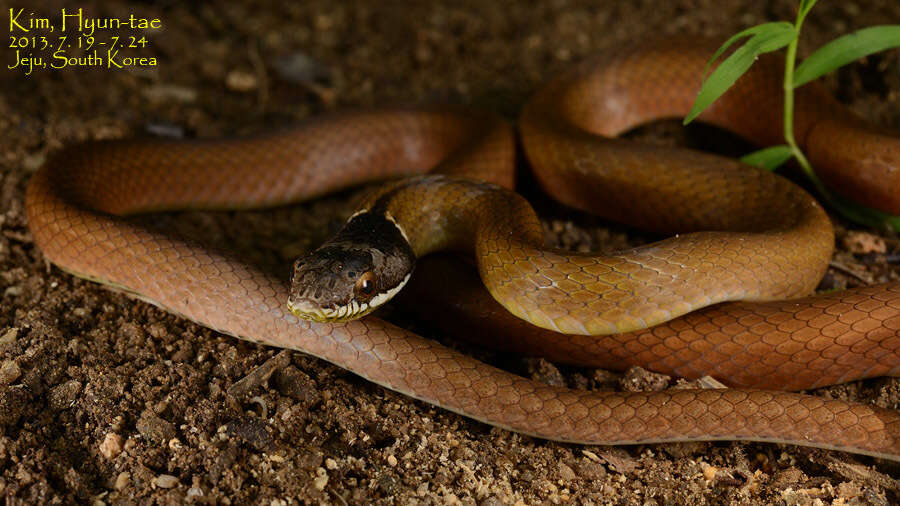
(779, 246)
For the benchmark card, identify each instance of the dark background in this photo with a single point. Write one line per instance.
(80, 363)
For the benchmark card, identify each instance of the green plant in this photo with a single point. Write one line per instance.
(769, 37)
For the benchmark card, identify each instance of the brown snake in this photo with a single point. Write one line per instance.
(779, 246)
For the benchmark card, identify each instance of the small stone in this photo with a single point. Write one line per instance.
(195, 492)
(241, 81)
(788, 477)
(170, 93)
(321, 479)
(848, 490)
(169, 130)
(591, 455)
(299, 68)
(111, 446)
(323, 22)
(294, 383)
(165, 481)
(541, 370)
(9, 372)
(9, 336)
(331, 464)
(709, 472)
(155, 428)
(638, 379)
(392, 460)
(619, 460)
(33, 161)
(710, 383)
(566, 473)
(563, 54)
(589, 469)
(122, 480)
(863, 242)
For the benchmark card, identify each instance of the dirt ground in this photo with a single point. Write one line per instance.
(107, 400)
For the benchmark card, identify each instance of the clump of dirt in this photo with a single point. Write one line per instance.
(110, 400)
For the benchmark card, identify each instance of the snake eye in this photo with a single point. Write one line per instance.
(365, 285)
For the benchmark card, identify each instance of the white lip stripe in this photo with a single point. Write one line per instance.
(386, 296)
(355, 308)
(402, 232)
(357, 213)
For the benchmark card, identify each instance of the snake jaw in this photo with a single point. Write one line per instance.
(309, 310)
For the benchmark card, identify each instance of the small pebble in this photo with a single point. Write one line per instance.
(154, 428)
(111, 446)
(32, 162)
(321, 479)
(9, 372)
(167, 130)
(170, 93)
(863, 242)
(166, 481)
(392, 460)
(590, 470)
(331, 464)
(9, 336)
(237, 80)
(591, 455)
(566, 473)
(122, 480)
(301, 69)
(709, 472)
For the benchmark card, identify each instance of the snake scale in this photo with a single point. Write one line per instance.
(741, 234)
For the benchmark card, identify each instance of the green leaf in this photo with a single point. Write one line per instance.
(772, 37)
(846, 49)
(753, 30)
(769, 158)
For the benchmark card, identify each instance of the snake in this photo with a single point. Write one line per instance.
(744, 239)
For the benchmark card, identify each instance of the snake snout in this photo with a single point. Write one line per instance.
(333, 283)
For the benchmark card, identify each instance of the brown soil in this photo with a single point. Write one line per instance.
(108, 400)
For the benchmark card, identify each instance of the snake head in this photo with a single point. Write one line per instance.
(358, 270)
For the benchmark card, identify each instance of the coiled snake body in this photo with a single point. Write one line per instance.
(768, 240)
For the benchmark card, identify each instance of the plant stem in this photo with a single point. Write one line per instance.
(869, 217)
(789, 63)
